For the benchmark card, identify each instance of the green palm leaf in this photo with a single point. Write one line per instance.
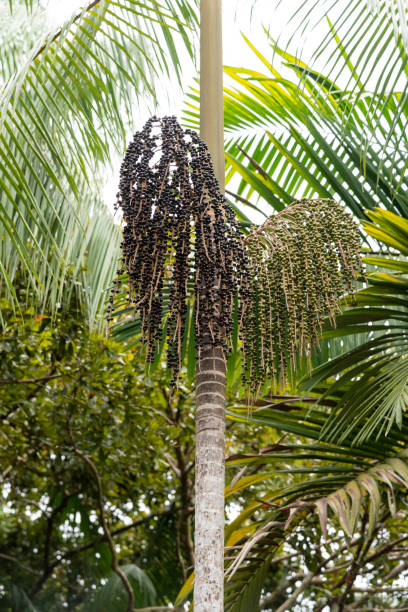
(373, 377)
(112, 595)
(62, 113)
(303, 130)
(337, 480)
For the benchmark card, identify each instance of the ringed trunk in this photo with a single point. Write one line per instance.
(211, 367)
(209, 482)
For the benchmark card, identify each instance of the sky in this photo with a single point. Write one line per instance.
(239, 16)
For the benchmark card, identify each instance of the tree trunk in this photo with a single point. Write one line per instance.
(210, 480)
(211, 88)
(211, 367)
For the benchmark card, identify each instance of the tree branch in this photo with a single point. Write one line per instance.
(104, 524)
(266, 602)
(307, 580)
(397, 570)
(115, 532)
(350, 576)
(39, 382)
(30, 381)
(385, 549)
(48, 567)
(184, 522)
(17, 562)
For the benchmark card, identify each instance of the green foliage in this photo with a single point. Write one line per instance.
(113, 597)
(57, 129)
(359, 487)
(19, 28)
(371, 380)
(51, 548)
(365, 47)
(295, 133)
(63, 113)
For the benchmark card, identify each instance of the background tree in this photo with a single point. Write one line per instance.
(53, 551)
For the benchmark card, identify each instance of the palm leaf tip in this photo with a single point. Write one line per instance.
(348, 501)
(301, 261)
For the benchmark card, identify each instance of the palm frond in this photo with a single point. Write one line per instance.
(61, 115)
(20, 28)
(373, 377)
(303, 131)
(29, 5)
(328, 480)
(374, 43)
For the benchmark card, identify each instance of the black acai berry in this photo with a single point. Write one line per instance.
(180, 239)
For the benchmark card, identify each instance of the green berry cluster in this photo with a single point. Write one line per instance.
(301, 262)
(180, 232)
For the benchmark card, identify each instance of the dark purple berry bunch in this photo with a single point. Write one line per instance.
(180, 240)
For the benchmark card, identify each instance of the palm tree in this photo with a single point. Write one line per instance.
(284, 275)
(155, 204)
(347, 143)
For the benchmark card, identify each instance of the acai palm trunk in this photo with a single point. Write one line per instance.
(209, 482)
(211, 366)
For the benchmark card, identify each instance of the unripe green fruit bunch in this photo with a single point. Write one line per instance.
(301, 262)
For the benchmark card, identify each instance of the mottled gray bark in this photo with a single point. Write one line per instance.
(210, 479)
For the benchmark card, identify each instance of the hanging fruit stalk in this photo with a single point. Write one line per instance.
(301, 261)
